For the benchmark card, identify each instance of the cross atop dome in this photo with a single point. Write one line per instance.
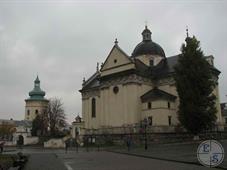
(187, 31)
(37, 81)
(116, 41)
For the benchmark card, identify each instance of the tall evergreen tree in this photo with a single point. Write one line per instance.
(195, 84)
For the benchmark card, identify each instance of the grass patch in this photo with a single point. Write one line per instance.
(6, 161)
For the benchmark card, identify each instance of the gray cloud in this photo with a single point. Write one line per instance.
(63, 40)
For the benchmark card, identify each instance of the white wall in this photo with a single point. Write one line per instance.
(54, 143)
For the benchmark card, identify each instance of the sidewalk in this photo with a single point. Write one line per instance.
(185, 153)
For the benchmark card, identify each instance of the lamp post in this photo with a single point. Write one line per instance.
(145, 131)
(87, 140)
(97, 138)
(77, 139)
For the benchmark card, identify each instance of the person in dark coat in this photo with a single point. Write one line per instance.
(1, 146)
(66, 146)
(128, 142)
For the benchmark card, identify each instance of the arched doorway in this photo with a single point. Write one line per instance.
(20, 141)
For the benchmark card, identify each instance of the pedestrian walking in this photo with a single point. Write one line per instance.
(128, 142)
(66, 146)
(1, 146)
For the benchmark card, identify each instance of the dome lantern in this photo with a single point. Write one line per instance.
(146, 34)
(37, 82)
(147, 46)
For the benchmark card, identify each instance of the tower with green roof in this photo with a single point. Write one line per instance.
(36, 103)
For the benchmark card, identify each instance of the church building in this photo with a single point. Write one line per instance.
(129, 89)
(36, 103)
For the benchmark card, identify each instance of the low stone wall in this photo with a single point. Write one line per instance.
(131, 129)
(31, 140)
(139, 138)
(28, 140)
(54, 143)
(10, 143)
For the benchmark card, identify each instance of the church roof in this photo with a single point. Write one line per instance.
(141, 68)
(92, 82)
(24, 123)
(164, 69)
(156, 93)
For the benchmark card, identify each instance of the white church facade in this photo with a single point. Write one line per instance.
(128, 89)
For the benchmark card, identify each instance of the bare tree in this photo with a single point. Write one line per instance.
(7, 130)
(40, 124)
(56, 116)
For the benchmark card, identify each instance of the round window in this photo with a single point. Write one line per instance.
(115, 89)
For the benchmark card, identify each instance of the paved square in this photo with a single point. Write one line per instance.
(113, 161)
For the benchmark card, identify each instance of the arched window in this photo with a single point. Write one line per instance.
(170, 120)
(151, 62)
(115, 89)
(93, 107)
(149, 105)
(28, 112)
(150, 121)
(168, 105)
(36, 112)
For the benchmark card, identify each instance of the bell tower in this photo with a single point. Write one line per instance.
(36, 103)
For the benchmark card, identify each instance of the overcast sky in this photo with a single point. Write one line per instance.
(62, 41)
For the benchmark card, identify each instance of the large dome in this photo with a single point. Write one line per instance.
(147, 46)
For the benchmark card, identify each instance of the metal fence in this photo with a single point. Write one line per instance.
(141, 136)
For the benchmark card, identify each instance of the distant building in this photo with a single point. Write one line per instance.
(128, 90)
(77, 127)
(36, 103)
(19, 130)
(224, 114)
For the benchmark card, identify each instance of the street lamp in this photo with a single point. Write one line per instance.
(145, 122)
(77, 139)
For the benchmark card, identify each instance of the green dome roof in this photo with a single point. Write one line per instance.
(37, 93)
